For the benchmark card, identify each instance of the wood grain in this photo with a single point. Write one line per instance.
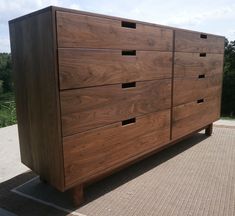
(68, 10)
(94, 152)
(192, 116)
(77, 30)
(87, 108)
(37, 101)
(192, 65)
(92, 67)
(190, 89)
(71, 118)
(186, 41)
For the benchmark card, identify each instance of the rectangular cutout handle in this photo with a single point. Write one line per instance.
(129, 85)
(126, 24)
(201, 76)
(203, 36)
(129, 52)
(202, 54)
(200, 100)
(128, 121)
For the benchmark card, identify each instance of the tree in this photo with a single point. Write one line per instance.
(228, 93)
(6, 71)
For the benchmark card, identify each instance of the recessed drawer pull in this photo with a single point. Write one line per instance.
(201, 76)
(128, 52)
(203, 36)
(200, 101)
(129, 85)
(128, 121)
(126, 24)
(202, 54)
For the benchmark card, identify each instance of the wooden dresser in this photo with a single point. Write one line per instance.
(95, 93)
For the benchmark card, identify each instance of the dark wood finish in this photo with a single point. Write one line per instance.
(77, 30)
(192, 65)
(190, 89)
(87, 108)
(96, 151)
(73, 11)
(172, 82)
(209, 129)
(77, 195)
(191, 116)
(37, 98)
(92, 67)
(186, 41)
(119, 90)
(140, 157)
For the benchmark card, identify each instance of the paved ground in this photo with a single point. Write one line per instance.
(224, 122)
(10, 165)
(194, 177)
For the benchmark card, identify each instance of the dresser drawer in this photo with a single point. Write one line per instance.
(87, 108)
(194, 115)
(190, 89)
(92, 67)
(78, 30)
(91, 153)
(197, 64)
(187, 41)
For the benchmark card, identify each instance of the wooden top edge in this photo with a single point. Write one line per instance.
(18, 19)
(55, 8)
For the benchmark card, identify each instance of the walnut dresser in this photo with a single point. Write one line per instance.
(95, 93)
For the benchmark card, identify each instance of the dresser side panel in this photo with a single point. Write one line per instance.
(37, 99)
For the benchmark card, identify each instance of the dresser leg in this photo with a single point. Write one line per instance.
(42, 180)
(208, 130)
(77, 195)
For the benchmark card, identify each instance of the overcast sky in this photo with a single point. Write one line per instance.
(210, 16)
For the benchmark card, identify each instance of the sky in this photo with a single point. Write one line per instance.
(209, 16)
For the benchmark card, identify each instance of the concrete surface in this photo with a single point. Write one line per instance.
(224, 122)
(10, 164)
(193, 177)
(6, 213)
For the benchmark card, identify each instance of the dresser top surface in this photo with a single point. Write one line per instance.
(55, 8)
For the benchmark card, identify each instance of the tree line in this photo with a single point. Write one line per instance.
(228, 92)
(6, 84)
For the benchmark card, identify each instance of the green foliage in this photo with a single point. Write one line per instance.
(6, 72)
(7, 100)
(228, 94)
(7, 109)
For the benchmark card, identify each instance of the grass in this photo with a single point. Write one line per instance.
(7, 109)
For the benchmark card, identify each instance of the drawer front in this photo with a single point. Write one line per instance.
(193, 116)
(77, 30)
(191, 89)
(87, 108)
(97, 151)
(186, 41)
(197, 64)
(93, 67)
